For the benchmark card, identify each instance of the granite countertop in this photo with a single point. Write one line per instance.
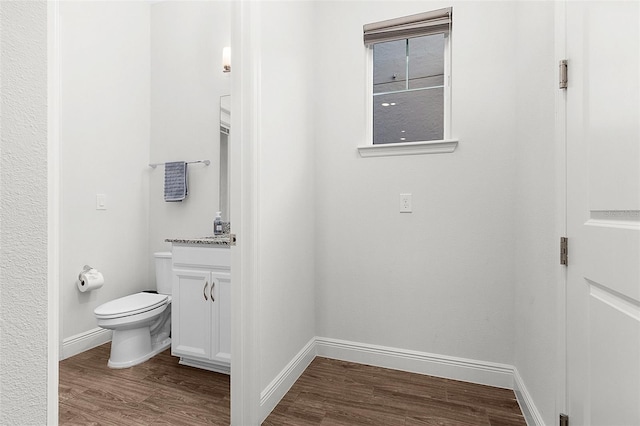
(219, 240)
(214, 240)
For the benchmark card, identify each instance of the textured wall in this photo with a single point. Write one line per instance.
(23, 213)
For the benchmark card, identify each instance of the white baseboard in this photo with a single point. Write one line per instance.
(468, 370)
(84, 341)
(280, 385)
(529, 410)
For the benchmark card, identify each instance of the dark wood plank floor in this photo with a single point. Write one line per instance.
(329, 392)
(337, 393)
(157, 392)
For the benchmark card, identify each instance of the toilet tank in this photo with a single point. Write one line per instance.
(163, 272)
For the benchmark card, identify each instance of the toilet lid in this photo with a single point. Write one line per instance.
(130, 305)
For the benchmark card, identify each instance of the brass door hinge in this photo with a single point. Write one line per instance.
(563, 74)
(564, 251)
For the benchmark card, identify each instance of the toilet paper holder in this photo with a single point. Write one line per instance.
(89, 279)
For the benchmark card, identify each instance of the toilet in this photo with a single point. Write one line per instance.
(141, 322)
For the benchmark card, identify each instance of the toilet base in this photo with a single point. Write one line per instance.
(133, 347)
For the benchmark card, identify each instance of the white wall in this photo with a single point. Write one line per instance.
(23, 213)
(286, 175)
(104, 145)
(536, 231)
(186, 84)
(440, 279)
(140, 83)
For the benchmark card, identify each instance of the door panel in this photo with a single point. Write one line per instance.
(603, 213)
(606, 263)
(614, 390)
(191, 316)
(611, 74)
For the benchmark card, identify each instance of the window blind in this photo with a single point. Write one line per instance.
(421, 24)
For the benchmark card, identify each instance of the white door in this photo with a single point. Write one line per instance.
(603, 213)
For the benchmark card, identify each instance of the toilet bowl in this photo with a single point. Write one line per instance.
(141, 322)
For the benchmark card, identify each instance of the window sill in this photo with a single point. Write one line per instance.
(409, 148)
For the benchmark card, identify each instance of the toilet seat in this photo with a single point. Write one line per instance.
(133, 304)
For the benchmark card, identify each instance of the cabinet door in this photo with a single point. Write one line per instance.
(221, 311)
(191, 317)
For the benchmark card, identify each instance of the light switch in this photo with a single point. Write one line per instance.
(101, 202)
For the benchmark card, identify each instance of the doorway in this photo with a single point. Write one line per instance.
(240, 159)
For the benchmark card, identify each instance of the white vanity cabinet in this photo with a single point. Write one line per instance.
(201, 306)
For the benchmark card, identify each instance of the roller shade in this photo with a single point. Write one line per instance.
(421, 24)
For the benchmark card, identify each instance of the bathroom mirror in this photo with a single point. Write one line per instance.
(225, 128)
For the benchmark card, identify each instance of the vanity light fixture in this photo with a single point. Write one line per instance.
(226, 59)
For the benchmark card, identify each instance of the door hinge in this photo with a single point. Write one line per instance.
(232, 239)
(563, 74)
(564, 251)
(564, 420)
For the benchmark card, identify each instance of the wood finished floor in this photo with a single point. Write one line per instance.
(156, 392)
(329, 392)
(337, 393)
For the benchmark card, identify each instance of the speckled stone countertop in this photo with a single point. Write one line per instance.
(216, 240)
(219, 240)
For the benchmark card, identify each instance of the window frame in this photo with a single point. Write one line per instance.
(446, 145)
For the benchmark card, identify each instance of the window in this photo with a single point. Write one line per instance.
(409, 87)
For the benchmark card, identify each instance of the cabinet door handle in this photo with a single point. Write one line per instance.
(204, 290)
(213, 285)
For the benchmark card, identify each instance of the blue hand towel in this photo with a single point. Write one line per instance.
(175, 181)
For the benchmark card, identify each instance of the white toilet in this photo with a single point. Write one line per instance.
(141, 322)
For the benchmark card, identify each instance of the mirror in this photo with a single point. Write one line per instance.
(225, 128)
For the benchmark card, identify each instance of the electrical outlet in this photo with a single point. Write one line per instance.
(405, 203)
